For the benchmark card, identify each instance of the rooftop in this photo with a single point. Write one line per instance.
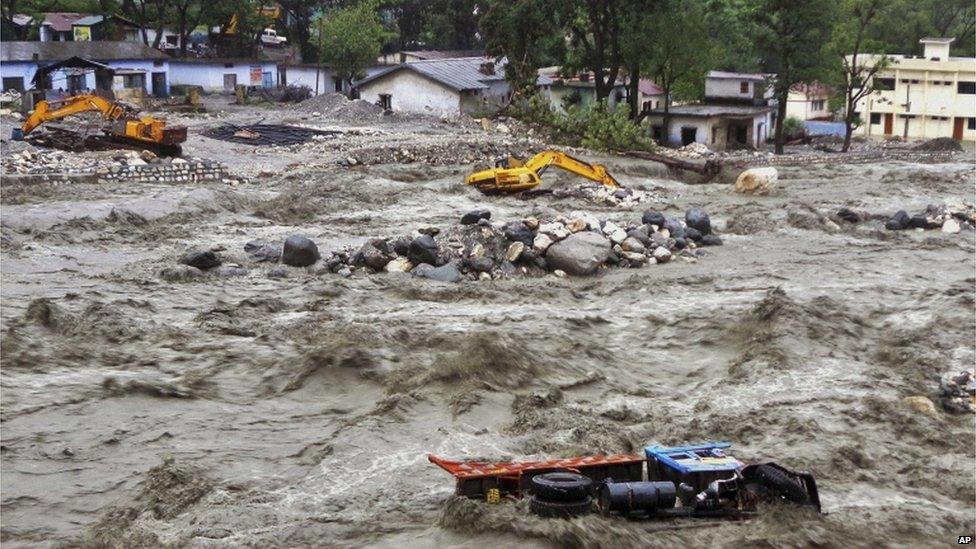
(61, 21)
(443, 54)
(59, 51)
(88, 21)
(708, 111)
(647, 87)
(738, 75)
(463, 73)
(937, 40)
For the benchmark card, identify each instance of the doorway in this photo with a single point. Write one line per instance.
(889, 123)
(230, 82)
(957, 128)
(159, 84)
(688, 135)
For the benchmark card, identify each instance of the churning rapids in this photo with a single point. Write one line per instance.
(298, 412)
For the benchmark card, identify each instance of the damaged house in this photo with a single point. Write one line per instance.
(463, 85)
(738, 111)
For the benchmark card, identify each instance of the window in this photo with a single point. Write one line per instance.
(386, 101)
(884, 83)
(656, 133)
(967, 87)
(971, 123)
(875, 118)
(13, 83)
(818, 105)
(743, 87)
(134, 81)
(646, 107)
(228, 65)
(157, 63)
(914, 81)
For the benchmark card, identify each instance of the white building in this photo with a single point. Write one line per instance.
(127, 65)
(579, 89)
(809, 102)
(215, 75)
(470, 85)
(737, 111)
(56, 26)
(922, 97)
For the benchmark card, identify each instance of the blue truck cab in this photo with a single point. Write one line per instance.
(696, 465)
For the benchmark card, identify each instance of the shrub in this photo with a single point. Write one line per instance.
(793, 128)
(592, 126)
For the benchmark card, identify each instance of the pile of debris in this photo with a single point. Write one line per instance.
(695, 150)
(951, 217)
(578, 245)
(958, 392)
(284, 94)
(31, 160)
(339, 107)
(456, 151)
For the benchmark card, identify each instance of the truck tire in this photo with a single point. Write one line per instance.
(553, 509)
(561, 486)
(779, 484)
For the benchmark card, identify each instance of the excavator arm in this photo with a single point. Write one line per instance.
(124, 124)
(594, 172)
(512, 175)
(43, 111)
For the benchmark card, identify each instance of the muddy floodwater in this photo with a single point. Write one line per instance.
(298, 412)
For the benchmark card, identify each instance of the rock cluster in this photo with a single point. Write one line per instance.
(950, 217)
(578, 245)
(958, 392)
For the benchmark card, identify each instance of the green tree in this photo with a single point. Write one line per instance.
(859, 56)
(349, 39)
(792, 34)
(677, 65)
(594, 27)
(524, 32)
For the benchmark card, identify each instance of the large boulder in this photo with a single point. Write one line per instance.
(652, 217)
(516, 231)
(757, 181)
(898, 222)
(201, 259)
(579, 254)
(472, 217)
(373, 257)
(696, 218)
(260, 250)
(445, 273)
(675, 228)
(299, 251)
(423, 249)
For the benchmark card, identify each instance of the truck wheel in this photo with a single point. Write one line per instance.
(561, 486)
(780, 484)
(552, 509)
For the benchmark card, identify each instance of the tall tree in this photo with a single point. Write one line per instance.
(524, 32)
(595, 31)
(792, 33)
(860, 57)
(679, 66)
(349, 39)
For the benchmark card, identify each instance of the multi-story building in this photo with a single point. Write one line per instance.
(922, 97)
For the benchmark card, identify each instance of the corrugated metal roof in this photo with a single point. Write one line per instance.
(463, 73)
(88, 21)
(714, 110)
(443, 54)
(61, 21)
(739, 75)
(59, 51)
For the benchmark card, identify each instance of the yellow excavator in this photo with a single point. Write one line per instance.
(124, 123)
(511, 175)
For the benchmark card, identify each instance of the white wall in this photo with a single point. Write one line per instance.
(210, 76)
(412, 92)
(24, 70)
(148, 67)
(305, 76)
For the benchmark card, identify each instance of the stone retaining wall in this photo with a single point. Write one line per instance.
(179, 172)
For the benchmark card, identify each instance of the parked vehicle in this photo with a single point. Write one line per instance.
(269, 37)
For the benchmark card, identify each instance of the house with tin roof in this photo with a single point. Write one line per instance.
(56, 26)
(469, 85)
(110, 66)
